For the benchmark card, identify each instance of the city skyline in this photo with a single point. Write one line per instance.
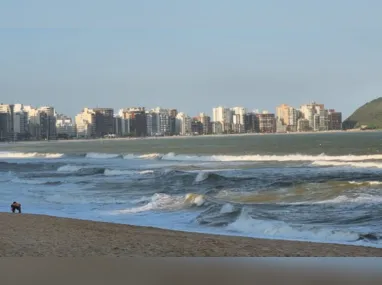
(25, 122)
(206, 110)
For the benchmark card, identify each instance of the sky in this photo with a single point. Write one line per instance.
(190, 55)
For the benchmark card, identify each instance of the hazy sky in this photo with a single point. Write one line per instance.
(191, 55)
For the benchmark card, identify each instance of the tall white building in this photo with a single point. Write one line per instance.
(238, 119)
(85, 123)
(309, 110)
(183, 124)
(34, 126)
(223, 116)
(65, 126)
(158, 122)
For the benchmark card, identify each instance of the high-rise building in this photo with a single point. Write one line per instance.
(280, 126)
(183, 124)
(6, 123)
(65, 127)
(316, 122)
(223, 116)
(159, 121)
(20, 122)
(173, 112)
(309, 110)
(238, 119)
(104, 121)
(47, 122)
(206, 122)
(137, 119)
(251, 123)
(324, 120)
(85, 123)
(267, 122)
(48, 129)
(282, 113)
(217, 128)
(334, 120)
(196, 127)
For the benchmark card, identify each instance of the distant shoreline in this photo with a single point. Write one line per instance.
(2, 144)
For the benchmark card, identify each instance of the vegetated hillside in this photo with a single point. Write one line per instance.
(369, 115)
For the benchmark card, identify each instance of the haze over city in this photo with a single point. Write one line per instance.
(190, 55)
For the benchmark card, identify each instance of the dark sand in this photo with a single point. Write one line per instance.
(38, 235)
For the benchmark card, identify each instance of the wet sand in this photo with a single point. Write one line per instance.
(38, 235)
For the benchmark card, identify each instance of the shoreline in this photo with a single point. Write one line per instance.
(42, 235)
(5, 144)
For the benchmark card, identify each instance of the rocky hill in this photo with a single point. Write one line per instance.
(369, 115)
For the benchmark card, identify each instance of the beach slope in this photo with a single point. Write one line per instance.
(38, 235)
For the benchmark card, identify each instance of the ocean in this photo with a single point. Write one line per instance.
(324, 187)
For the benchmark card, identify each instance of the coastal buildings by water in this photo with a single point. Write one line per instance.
(23, 122)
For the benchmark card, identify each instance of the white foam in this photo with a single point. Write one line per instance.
(365, 182)
(143, 156)
(279, 229)
(348, 164)
(150, 156)
(69, 168)
(143, 172)
(260, 158)
(194, 199)
(101, 155)
(161, 201)
(23, 155)
(361, 199)
(227, 208)
(202, 175)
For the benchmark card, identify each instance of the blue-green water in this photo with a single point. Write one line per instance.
(317, 187)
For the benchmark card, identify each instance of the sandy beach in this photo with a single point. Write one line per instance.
(38, 235)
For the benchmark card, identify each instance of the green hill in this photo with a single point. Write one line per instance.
(369, 115)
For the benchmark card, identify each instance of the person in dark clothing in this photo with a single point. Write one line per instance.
(16, 206)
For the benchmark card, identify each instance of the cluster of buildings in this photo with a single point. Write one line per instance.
(23, 122)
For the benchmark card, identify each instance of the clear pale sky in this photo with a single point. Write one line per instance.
(191, 55)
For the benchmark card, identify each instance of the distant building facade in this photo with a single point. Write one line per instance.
(137, 119)
(85, 124)
(334, 120)
(65, 127)
(267, 122)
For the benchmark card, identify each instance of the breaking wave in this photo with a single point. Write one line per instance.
(95, 155)
(366, 182)
(69, 168)
(348, 164)
(22, 155)
(361, 199)
(206, 158)
(116, 172)
(161, 201)
(292, 157)
(245, 224)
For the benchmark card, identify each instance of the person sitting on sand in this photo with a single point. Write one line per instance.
(16, 206)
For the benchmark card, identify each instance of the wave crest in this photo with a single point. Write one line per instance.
(161, 201)
(278, 229)
(11, 154)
